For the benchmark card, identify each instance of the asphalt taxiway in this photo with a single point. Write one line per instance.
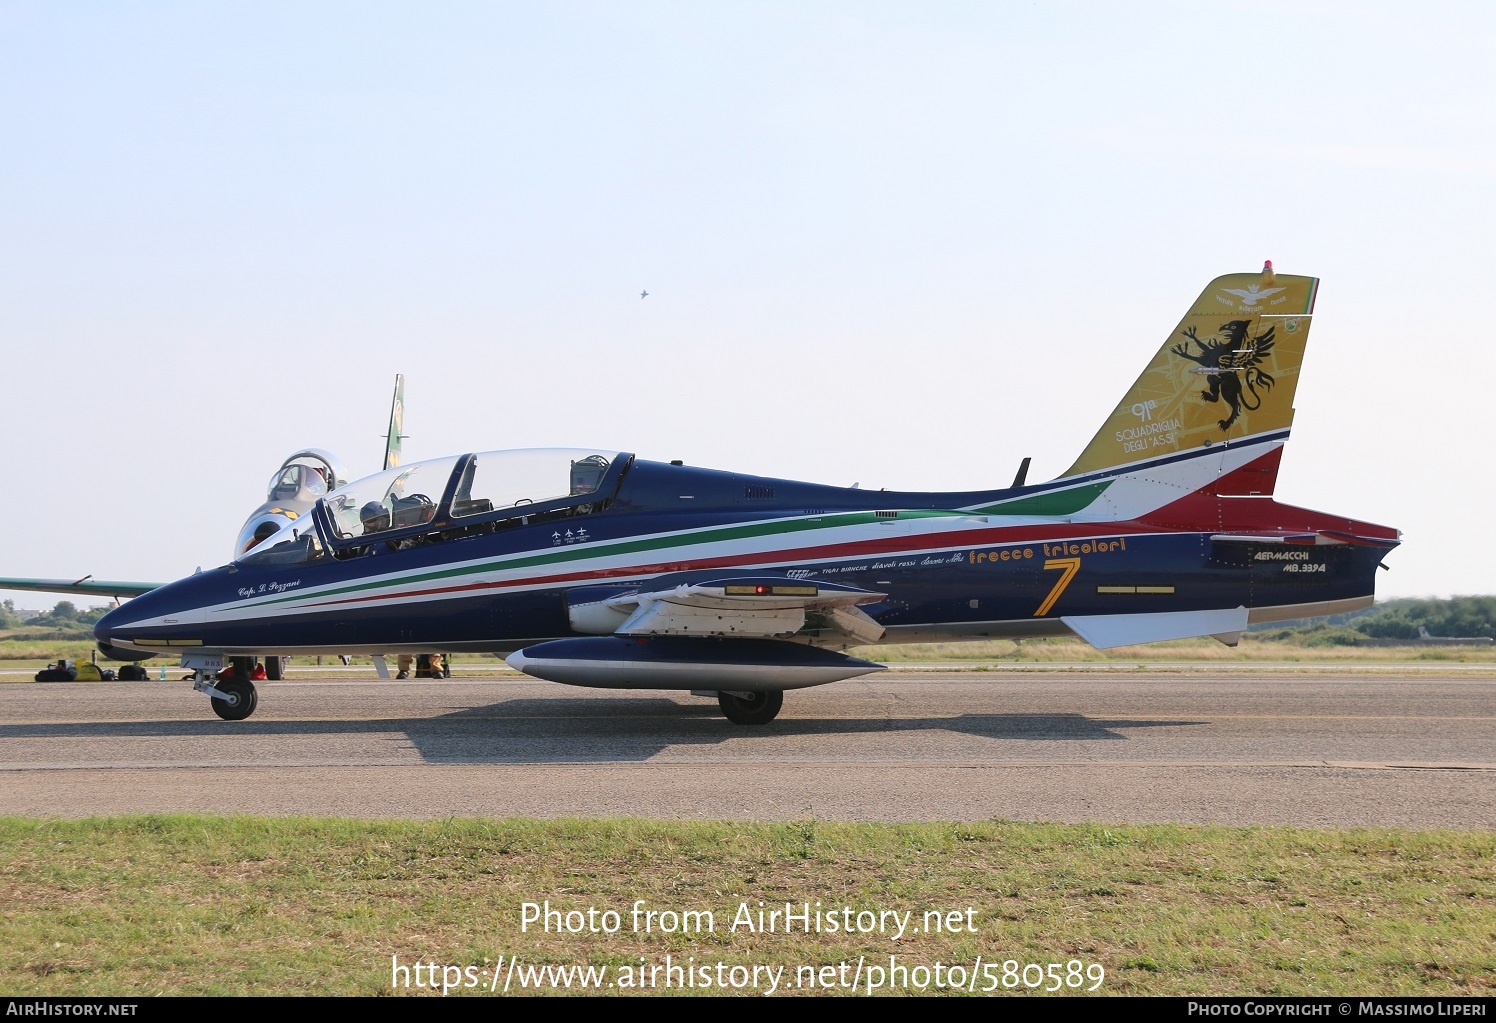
(1233, 745)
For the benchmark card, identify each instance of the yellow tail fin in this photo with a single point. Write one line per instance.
(1228, 371)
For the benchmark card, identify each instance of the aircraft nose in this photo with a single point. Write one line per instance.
(104, 624)
(158, 616)
(103, 630)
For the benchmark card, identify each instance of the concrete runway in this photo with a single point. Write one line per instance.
(1228, 744)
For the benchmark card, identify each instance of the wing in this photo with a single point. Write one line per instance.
(745, 607)
(87, 586)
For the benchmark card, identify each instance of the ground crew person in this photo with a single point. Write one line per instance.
(438, 667)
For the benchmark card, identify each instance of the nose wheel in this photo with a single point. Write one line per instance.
(751, 708)
(239, 699)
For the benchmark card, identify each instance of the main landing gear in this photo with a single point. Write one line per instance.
(751, 708)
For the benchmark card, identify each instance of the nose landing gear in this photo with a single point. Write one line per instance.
(237, 699)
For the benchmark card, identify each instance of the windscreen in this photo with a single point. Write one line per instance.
(294, 544)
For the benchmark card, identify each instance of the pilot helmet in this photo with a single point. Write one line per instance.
(374, 516)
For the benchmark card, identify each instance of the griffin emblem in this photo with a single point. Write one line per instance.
(1232, 361)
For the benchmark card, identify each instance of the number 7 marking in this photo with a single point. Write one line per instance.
(1071, 566)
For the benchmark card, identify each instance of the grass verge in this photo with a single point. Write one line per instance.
(240, 905)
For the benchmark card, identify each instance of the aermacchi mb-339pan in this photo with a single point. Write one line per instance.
(597, 568)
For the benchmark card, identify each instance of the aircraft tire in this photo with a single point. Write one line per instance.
(243, 702)
(759, 709)
(273, 669)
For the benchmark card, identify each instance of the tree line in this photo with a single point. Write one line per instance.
(1452, 617)
(66, 615)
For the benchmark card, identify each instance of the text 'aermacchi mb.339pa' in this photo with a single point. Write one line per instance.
(597, 568)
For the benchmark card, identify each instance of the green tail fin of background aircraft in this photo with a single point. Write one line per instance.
(394, 436)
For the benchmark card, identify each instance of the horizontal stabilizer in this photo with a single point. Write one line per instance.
(1319, 538)
(1106, 631)
(1257, 539)
(1337, 536)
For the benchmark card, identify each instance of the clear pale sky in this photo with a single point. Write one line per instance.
(903, 245)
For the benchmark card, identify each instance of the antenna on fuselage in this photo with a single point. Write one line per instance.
(1018, 480)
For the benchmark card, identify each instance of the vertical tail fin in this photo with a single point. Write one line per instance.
(1225, 375)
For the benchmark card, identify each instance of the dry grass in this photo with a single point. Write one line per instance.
(202, 905)
(1045, 651)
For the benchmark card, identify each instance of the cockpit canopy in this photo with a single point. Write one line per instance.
(292, 481)
(447, 497)
(305, 476)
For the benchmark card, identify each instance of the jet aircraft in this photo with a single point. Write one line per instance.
(594, 567)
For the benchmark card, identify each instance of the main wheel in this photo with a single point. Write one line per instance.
(273, 669)
(241, 702)
(751, 708)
